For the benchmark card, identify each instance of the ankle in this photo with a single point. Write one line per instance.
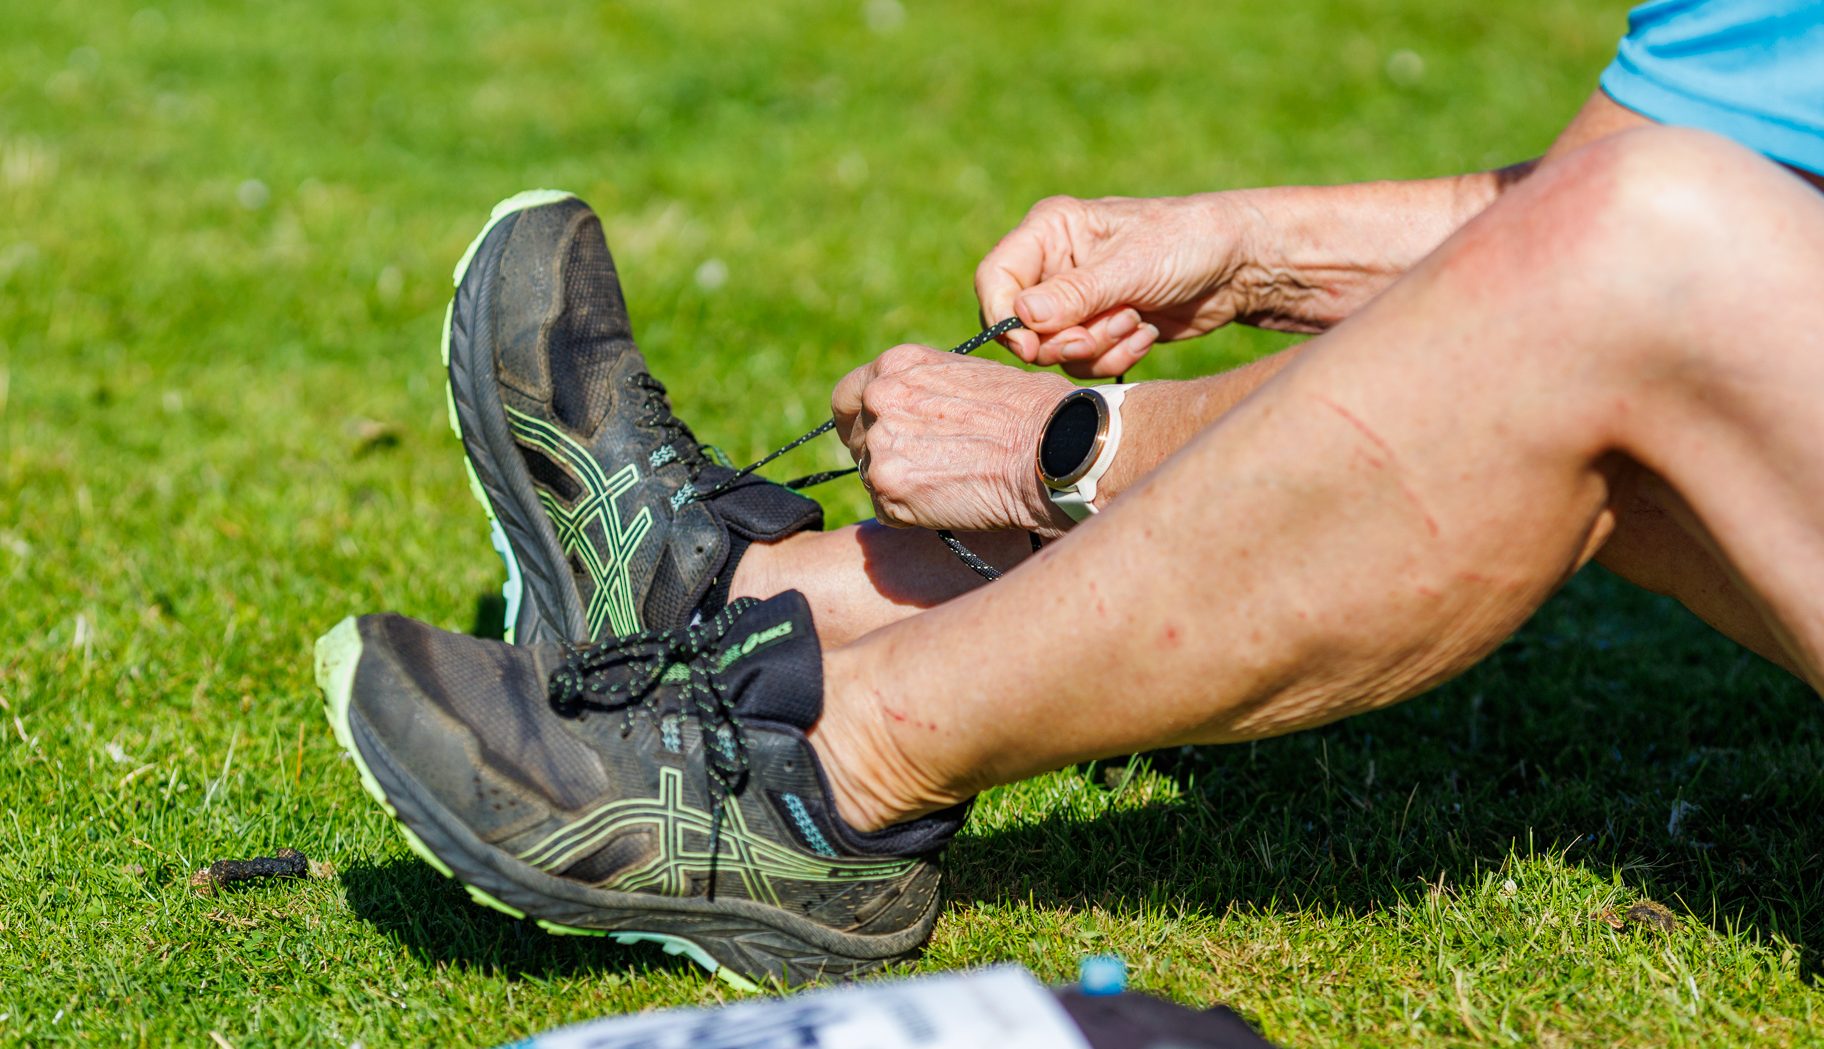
(757, 573)
(874, 782)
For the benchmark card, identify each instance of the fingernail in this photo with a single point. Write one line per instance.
(1075, 349)
(1039, 308)
(1122, 324)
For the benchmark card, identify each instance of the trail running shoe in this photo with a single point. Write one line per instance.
(594, 489)
(658, 788)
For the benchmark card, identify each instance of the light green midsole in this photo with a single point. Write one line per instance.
(338, 654)
(513, 590)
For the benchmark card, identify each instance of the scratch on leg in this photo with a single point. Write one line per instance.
(1358, 424)
(1431, 523)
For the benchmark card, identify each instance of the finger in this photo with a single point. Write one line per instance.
(1014, 264)
(1122, 357)
(1020, 342)
(1024, 344)
(1069, 298)
(882, 513)
(845, 401)
(903, 357)
(1088, 341)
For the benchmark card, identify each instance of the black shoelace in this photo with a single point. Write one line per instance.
(626, 675)
(967, 556)
(655, 413)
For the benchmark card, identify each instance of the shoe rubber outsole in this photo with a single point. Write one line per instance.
(513, 589)
(747, 942)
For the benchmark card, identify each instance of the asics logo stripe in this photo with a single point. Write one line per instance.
(592, 530)
(683, 833)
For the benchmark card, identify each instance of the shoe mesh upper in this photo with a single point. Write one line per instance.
(608, 463)
(590, 331)
(613, 797)
(426, 684)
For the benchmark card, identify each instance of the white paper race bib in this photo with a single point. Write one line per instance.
(998, 1008)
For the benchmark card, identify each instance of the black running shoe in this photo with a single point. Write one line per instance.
(595, 490)
(658, 788)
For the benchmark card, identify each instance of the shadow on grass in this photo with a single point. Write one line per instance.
(1614, 728)
(490, 616)
(432, 917)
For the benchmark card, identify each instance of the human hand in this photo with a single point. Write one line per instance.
(946, 441)
(1097, 282)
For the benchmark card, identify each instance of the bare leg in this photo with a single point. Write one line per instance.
(863, 577)
(1385, 511)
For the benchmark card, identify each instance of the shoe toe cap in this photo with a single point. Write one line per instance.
(462, 721)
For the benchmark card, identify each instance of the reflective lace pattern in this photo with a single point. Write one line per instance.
(656, 414)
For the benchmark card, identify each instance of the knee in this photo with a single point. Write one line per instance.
(1656, 211)
(1636, 246)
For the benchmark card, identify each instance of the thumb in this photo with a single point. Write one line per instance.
(1071, 297)
(845, 401)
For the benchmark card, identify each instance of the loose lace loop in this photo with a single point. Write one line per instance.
(967, 556)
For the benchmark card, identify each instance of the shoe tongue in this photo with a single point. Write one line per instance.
(775, 665)
(771, 659)
(759, 510)
(754, 510)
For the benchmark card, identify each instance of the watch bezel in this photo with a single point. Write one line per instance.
(1069, 480)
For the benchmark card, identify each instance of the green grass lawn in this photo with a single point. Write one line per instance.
(226, 231)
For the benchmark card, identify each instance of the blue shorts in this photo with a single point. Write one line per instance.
(1751, 70)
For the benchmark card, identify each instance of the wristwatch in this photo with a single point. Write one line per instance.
(1078, 444)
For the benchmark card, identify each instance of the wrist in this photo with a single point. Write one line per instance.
(1079, 447)
(1231, 233)
(1028, 494)
(1271, 229)
(1312, 255)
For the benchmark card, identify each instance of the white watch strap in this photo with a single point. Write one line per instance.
(1079, 500)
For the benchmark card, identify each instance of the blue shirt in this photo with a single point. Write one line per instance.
(1752, 70)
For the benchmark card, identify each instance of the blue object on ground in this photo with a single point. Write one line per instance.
(1101, 974)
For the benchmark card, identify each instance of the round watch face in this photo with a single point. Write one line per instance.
(1071, 439)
